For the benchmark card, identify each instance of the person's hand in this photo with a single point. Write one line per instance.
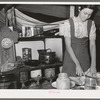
(93, 71)
(79, 70)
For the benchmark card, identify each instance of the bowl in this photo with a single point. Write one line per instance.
(32, 62)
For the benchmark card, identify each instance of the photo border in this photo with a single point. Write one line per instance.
(53, 95)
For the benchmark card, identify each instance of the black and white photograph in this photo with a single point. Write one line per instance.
(50, 47)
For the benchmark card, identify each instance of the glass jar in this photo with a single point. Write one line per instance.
(98, 78)
(90, 83)
(98, 81)
(63, 82)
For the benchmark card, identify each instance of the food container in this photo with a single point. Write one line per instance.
(47, 58)
(38, 30)
(98, 81)
(90, 83)
(27, 54)
(63, 82)
(98, 78)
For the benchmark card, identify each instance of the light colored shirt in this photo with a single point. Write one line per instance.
(80, 29)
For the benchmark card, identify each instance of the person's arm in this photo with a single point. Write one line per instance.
(93, 56)
(79, 70)
(93, 49)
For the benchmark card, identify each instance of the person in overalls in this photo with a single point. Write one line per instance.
(79, 35)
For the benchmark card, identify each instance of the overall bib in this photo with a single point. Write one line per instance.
(80, 48)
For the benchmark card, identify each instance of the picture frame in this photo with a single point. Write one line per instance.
(57, 94)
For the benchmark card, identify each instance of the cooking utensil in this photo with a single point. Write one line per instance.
(46, 56)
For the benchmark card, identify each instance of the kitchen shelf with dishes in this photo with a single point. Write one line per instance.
(26, 47)
(22, 75)
(30, 68)
(22, 72)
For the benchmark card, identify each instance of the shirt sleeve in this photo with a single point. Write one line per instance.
(66, 29)
(93, 31)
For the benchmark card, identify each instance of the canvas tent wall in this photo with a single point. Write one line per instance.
(40, 14)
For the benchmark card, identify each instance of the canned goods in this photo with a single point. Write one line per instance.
(38, 30)
(27, 54)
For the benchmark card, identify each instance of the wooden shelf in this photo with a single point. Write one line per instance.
(36, 38)
(30, 68)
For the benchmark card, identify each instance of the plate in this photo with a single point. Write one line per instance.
(54, 84)
(97, 87)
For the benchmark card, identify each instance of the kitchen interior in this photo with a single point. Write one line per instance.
(32, 48)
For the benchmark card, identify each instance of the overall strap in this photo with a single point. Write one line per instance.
(89, 24)
(72, 28)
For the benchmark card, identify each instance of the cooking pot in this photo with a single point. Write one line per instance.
(46, 57)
